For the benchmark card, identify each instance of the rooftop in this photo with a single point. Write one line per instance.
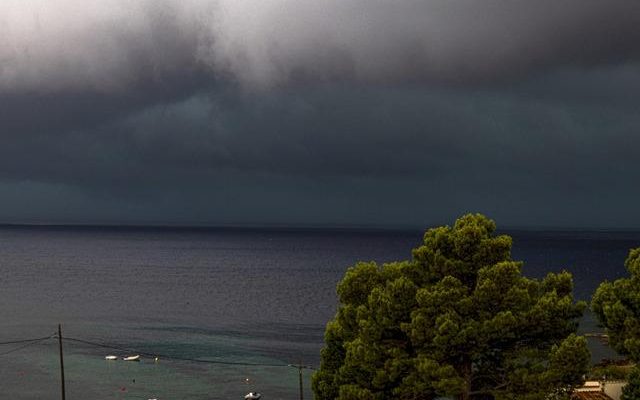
(590, 396)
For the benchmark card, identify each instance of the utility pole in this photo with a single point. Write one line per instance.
(300, 375)
(61, 361)
(300, 368)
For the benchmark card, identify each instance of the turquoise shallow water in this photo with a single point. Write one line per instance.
(34, 371)
(256, 297)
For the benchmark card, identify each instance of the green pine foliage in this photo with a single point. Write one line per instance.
(458, 320)
(617, 306)
(632, 390)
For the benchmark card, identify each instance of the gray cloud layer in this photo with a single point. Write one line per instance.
(69, 45)
(418, 40)
(336, 112)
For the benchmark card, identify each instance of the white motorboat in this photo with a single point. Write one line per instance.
(132, 358)
(110, 358)
(253, 396)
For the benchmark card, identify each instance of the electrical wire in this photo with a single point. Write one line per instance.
(197, 360)
(26, 340)
(29, 343)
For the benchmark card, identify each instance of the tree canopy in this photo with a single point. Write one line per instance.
(457, 320)
(617, 306)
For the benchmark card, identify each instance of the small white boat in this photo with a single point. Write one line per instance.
(111, 358)
(132, 358)
(252, 396)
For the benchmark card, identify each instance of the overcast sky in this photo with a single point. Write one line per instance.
(395, 113)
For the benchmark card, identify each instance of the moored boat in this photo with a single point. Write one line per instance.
(132, 358)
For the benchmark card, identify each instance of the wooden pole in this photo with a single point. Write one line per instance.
(300, 367)
(61, 361)
(300, 375)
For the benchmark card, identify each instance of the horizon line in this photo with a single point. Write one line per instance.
(300, 227)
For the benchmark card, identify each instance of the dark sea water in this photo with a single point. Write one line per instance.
(232, 296)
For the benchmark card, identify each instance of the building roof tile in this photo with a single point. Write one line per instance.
(590, 396)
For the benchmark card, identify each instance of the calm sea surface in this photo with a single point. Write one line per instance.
(231, 296)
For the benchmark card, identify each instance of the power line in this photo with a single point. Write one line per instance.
(134, 351)
(26, 340)
(29, 343)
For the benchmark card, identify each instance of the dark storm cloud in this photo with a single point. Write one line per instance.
(271, 42)
(108, 47)
(335, 112)
(340, 155)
